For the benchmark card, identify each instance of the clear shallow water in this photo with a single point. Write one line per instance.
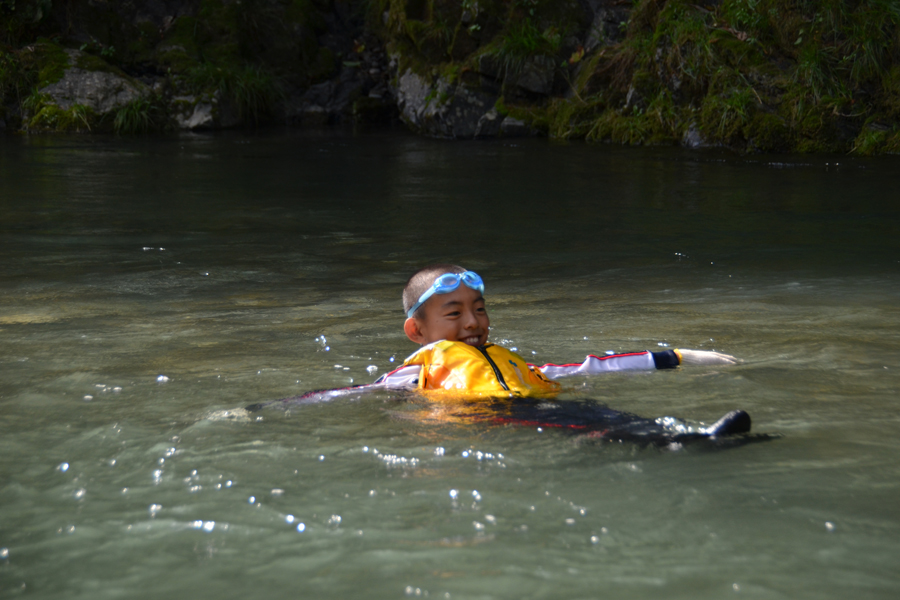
(272, 241)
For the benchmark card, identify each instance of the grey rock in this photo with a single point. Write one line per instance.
(440, 109)
(194, 112)
(634, 99)
(101, 91)
(511, 127)
(606, 26)
(328, 102)
(489, 124)
(694, 139)
(537, 75)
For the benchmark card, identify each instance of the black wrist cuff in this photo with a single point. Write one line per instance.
(667, 359)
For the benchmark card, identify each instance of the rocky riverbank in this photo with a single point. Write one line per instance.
(752, 75)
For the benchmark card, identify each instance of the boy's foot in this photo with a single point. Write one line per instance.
(737, 421)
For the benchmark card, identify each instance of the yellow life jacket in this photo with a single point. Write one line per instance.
(458, 369)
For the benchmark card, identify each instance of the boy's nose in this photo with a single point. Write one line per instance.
(470, 321)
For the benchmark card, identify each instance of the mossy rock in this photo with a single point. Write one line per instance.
(51, 61)
(52, 118)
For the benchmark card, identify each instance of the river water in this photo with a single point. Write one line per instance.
(151, 288)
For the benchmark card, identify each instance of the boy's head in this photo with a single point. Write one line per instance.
(445, 302)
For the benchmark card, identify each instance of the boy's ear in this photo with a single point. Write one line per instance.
(413, 332)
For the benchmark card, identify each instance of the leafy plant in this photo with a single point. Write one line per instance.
(252, 91)
(141, 115)
(523, 41)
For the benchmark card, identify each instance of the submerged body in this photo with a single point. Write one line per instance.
(492, 384)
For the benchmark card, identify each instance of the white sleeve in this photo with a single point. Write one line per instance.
(594, 365)
(406, 377)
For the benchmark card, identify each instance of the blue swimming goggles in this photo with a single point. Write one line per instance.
(445, 284)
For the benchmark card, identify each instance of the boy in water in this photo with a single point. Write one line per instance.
(446, 315)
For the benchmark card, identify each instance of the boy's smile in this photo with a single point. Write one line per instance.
(459, 316)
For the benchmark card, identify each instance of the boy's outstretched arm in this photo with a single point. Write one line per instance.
(704, 357)
(636, 361)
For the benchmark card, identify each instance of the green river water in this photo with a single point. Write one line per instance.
(151, 288)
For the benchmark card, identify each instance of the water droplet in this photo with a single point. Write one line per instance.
(88, 398)
(4, 553)
(372, 369)
(62, 467)
(454, 494)
(277, 492)
(289, 518)
(251, 500)
(301, 527)
(154, 509)
(162, 379)
(829, 526)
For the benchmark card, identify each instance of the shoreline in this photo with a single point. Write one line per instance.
(746, 75)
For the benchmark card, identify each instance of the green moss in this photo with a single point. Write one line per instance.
(89, 62)
(892, 142)
(51, 61)
(536, 117)
(572, 118)
(869, 141)
(631, 129)
(767, 132)
(723, 118)
(52, 118)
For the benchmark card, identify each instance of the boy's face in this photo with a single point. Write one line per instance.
(459, 316)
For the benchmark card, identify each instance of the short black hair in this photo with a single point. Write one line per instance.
(421, 281)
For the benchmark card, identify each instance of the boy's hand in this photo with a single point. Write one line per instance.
(703, 357)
